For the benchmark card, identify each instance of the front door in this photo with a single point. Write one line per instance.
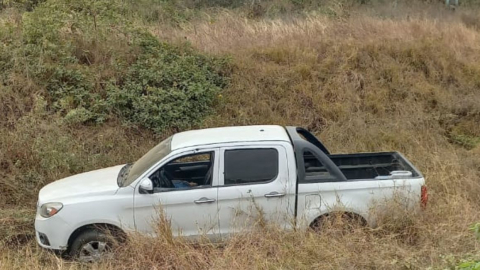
(254, 189)
(185, 192)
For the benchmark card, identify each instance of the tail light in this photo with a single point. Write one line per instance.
(424, 197)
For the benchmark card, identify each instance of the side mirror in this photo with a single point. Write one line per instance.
(146, 186)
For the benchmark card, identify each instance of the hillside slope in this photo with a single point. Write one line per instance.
(363, 78)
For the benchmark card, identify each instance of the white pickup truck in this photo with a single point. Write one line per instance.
(206, 182)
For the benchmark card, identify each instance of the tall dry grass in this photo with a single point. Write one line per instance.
(361, 83)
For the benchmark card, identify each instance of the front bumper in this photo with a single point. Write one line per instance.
(52, 233)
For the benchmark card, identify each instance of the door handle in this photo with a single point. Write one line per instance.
(274, 194)
(204, 200)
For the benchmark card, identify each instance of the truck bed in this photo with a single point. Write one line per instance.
(363, 165)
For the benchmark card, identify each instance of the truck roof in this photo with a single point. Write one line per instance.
(229, 135)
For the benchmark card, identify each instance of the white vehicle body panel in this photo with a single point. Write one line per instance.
(359, 197)
(114, 209)
(229, 135)
(103, 181)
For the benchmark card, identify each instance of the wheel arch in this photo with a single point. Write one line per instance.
(350, 214)
(114, 230)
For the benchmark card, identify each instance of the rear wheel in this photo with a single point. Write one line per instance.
(91, 246)
(338, 222)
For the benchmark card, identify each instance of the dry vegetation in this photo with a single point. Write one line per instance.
(366, 79)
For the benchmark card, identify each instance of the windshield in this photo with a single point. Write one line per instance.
(147, 161)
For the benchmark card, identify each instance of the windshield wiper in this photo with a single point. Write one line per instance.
(123, 174)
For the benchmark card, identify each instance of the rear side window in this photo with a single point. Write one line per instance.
(249, 166)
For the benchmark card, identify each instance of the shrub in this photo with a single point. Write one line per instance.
(94, 64)
(27, 5)
(166, 85)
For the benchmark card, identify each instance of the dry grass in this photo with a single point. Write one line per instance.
(402, 241)
(361, 83)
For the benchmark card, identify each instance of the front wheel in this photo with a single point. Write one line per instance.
(91, 246)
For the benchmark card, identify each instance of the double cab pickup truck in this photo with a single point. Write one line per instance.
(210, 182)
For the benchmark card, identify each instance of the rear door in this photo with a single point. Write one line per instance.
(254, 188)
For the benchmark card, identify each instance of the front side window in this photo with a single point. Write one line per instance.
(185, 172)
(249, 166)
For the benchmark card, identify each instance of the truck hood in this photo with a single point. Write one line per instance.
(98, 182)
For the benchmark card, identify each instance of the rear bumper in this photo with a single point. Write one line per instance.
(52, 233)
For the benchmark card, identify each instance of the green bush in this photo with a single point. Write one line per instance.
(27, 5)
(471, 264)
(166, 85)
(94, 64)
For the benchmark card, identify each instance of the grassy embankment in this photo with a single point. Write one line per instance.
(363, 78)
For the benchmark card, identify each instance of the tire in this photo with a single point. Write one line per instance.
(91, 246)
(342, 223)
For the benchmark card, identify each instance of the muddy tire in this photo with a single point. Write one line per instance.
(91, 246)
(342, 223)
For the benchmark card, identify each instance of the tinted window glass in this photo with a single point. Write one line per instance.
(205, 157)
(245, 166)
(186, 172)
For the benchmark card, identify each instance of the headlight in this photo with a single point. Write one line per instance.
(50, 209)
